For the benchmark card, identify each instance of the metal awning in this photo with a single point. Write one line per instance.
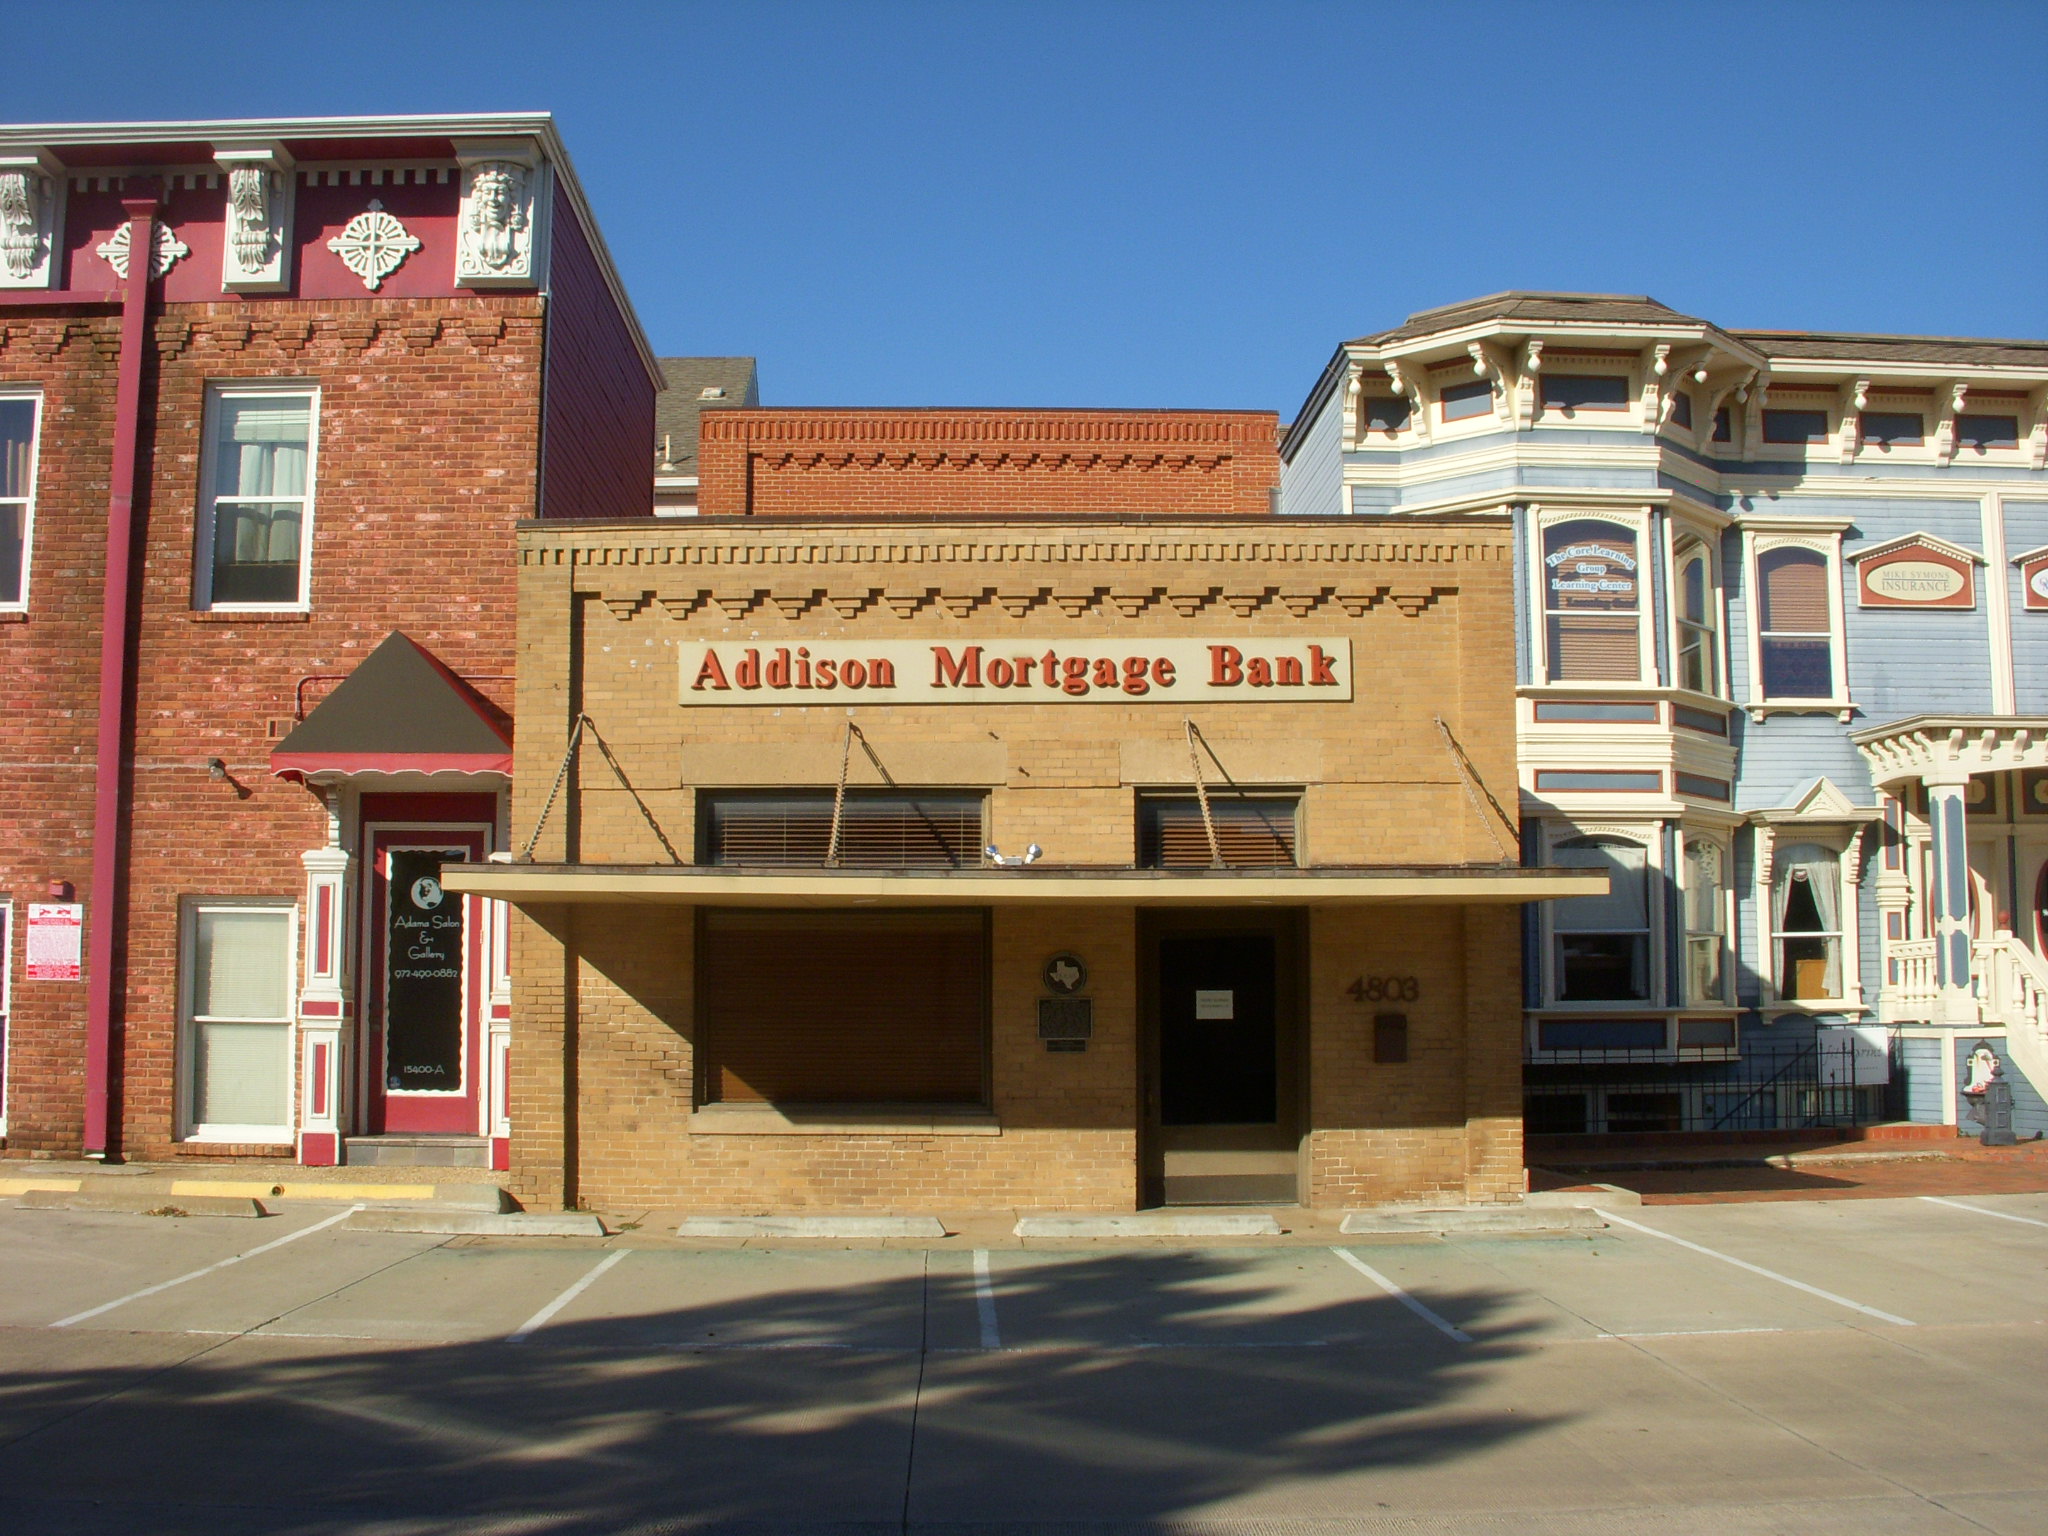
(400, 711)
(712, 886)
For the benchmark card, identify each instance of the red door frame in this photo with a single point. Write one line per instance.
(397, 822)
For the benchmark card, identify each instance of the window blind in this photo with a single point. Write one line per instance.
(241, 965)
(17, 442)
(876, 831)
(1251, 832)
(1593, 647)
(242, 1074)
(1793, 592)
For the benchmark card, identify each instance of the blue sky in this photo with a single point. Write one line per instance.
(1157, 204)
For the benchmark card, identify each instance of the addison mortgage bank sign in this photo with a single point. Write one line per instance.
(1017, 672)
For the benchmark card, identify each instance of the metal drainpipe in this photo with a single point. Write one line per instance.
(108, 834)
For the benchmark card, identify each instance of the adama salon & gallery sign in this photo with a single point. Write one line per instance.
(1017, 672)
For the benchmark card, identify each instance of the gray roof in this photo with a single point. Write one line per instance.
(1593, 308)
(1850, 347)
(696, 384)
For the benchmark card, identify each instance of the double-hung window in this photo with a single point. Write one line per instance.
(1698, 607)
(18, 415)
(1601, 944)
(1706, 906)
(1592, 600)
(1806, 899)
(256, 520)
(238, 1020)
(1795, 623)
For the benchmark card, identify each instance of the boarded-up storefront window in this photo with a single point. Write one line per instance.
(839, 1007)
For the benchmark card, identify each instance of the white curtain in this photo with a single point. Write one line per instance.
(263, 448)
(1811, 867)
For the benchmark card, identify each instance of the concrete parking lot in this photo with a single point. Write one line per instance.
(1869, 1366)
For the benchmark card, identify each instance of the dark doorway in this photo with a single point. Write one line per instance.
(1223, 1082)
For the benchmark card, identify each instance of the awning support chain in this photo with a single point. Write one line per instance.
(1202, 792)
(839, 793)
(1474, 786)
(583, 723)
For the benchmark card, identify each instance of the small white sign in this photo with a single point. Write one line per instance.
(1215, 1005)
(54, 933)
(1854, 1055)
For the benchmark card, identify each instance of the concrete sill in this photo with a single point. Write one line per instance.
(841, 1120)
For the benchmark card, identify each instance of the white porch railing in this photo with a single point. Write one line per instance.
(2012, 989)
(1909, 989)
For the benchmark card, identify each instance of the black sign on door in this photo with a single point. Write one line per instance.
(423, 990)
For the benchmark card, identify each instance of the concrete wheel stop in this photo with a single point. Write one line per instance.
(811, 1226)
(1167, 1223)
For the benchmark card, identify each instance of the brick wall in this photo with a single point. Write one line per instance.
(604, 1055)
(808, 463)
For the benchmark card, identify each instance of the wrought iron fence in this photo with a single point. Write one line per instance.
(1794, 1087)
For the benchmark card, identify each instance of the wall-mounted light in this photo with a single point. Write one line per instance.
(216, 768)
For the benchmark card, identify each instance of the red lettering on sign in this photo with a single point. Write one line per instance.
(1162, 672)
(748, 673)
(776, 673)
(1224, 668)
(881, 673)
(1051, 662)
(710, 674)
(1135, 670)
(1321, 674)
(1023, 677)
(1000, 674)
(827, 674)
(1105, 673)
(964, 672)
(803, 668)
(853, 674)
(1288, 671)
(1259, 672)
(1077, 675)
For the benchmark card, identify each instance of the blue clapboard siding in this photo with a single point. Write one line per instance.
(1918, 1061)
(1312, 482)
(1369, 499)
(1782, 754)
(1905, 661)
(1610, 478)
(2026, 528)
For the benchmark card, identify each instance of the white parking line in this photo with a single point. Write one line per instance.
(165, 1285)
(1978, 1210)
(985, 1301)
(1402, 1296)
(1758, 1269)
(541, 1318)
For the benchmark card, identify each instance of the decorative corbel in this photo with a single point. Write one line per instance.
(256, 255)
(1672, 372)
(1854, 397)
(1418, 411)
(32, 187)
(1656, 384)
(1753, 393)
(1530, 388)
(2037, 433)
(1945, 429)
(1354, 390)
(502, 225)
(1489, 364)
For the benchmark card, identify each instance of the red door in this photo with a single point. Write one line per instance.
(424, 967)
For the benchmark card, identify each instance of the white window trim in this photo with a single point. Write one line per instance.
(28, 504)
(202, 539)
(1726, 849)
(1678, 535)
(1637, 521)
(1760, 537)
(1649, 835)
(189, 1129)
(1842, 839)
(1628, 416)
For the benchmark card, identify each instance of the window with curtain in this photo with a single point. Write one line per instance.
(260, 477)
(1794, 624)
(239, 1009)
(1601, 944)
(1592, 601)
(1806, 912)
(1699, 604)
(17, 477)
(1705, 920)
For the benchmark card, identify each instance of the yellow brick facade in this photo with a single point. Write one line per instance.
(605, 1084)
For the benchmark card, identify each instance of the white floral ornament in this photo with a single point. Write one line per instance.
(373, 245)
(169, 249)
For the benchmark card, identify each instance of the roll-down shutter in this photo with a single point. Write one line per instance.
(843, 1007)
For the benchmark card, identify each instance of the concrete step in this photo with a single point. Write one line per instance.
(416, 1151)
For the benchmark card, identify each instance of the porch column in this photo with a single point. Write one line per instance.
(323, 1012)
(1894, 891)
(1955, 1003)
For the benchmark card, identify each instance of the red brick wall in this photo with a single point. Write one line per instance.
(809, 463)
(428, 412)
(598, 459)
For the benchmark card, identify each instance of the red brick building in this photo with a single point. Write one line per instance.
(300, 434)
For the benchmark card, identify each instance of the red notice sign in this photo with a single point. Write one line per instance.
(55, 931)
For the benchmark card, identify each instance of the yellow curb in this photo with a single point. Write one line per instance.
(24, 1186)
(259, 1191)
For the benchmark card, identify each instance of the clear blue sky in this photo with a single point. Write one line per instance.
(1179, 204)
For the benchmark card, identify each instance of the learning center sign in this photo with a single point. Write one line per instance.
(1107, 671)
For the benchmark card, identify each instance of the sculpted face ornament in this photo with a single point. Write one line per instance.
(21, 217)
(249, 215)
(497, 215)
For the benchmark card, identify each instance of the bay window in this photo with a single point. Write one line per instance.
(1592, 601)
(255, 524)
(1600, 945)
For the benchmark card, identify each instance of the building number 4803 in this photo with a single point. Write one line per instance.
(1384, 989)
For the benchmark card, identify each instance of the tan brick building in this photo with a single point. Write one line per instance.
(1103, 840)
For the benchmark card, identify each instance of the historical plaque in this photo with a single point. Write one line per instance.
(1065, 973)
(1066, 1018)
(423, 976)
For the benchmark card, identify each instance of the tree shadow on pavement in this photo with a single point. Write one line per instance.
(1151, 1387)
